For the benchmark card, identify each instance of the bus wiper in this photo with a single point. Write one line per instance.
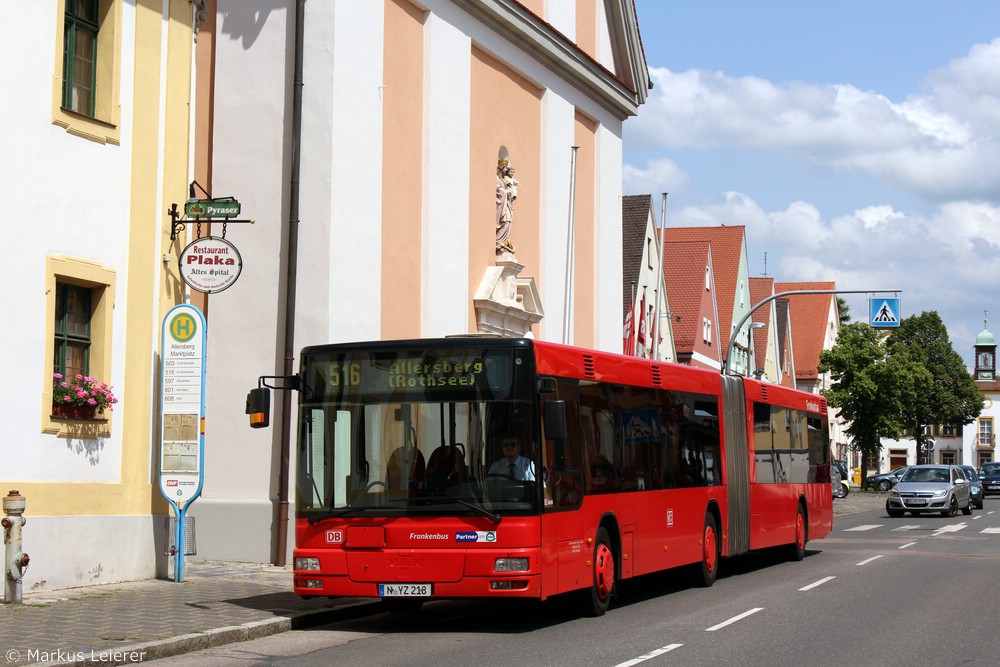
(479, 509)
(343, 511)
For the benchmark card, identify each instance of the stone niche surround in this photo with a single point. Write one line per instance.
(506, 304)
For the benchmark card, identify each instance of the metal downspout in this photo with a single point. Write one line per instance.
(290, 282)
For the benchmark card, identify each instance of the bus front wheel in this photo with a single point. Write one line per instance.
(598, 597)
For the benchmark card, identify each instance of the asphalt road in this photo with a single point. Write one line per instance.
(877, 591)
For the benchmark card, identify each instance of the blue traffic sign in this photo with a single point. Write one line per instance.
(883, 313)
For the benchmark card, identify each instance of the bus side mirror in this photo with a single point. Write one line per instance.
(554, 414)
(259, 407)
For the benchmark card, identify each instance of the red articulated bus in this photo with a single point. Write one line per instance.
(476, 467)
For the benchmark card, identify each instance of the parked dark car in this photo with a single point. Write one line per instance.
(930, 488)
(886, 480)
(989, 475)
(975, 486)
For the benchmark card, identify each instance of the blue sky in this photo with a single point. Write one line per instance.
(858, 142)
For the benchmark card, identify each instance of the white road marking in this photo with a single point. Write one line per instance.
(905, 546)
(868, 560)
(908, 527)
(734, 619)
(994, 531)
(863, 528)
(817, 583)
(648, 656)
(954, 528)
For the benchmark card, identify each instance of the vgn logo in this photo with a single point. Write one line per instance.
(476, 536)
(183, 327)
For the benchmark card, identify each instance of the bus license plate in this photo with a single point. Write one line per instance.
(404, 590)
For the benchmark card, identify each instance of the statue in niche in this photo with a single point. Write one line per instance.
(506, 194)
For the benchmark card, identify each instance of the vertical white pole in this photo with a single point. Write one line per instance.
(661, 290)
(568, 293)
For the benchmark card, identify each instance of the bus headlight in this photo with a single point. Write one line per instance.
(307, 563)
(511, 565)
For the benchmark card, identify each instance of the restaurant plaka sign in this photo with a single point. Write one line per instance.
(210, 264)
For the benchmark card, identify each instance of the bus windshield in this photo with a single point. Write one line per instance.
(410, 432)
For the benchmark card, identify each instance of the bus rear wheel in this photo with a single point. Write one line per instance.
(597, 598)
(709, 551)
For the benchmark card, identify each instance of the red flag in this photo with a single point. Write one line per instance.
(641, 349)
(628, 334)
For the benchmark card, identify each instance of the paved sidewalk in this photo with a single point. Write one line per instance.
(217, 603)
(858, 501)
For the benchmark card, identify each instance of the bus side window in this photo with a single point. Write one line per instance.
(561, 462)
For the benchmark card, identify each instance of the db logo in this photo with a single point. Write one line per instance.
(171, 482)
(334, 536)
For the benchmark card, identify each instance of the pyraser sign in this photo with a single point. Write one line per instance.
(210, 264)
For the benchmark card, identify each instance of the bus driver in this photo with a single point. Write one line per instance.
(513, 465)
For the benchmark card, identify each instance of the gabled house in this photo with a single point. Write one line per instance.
(690, 282)
(815, 323)
(645, 306)
(771, 336)
(729, 262)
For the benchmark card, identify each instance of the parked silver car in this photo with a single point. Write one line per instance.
(930, 488)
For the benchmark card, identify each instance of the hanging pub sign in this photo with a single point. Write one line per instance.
(210, 264)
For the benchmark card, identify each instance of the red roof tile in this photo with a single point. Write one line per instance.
(727, 250)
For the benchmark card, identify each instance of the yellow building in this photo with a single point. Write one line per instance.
(102, 122)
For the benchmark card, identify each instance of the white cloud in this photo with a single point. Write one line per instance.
(940, 145)
(942, 262)
(653, 178)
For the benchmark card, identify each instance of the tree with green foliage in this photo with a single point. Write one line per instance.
(946, 393)
(908, 379)
(867, 387)
(843, 310)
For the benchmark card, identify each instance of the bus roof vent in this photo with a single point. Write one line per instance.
(657, 375)
(588, 366)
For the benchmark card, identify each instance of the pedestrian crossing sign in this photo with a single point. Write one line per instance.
(883, 313)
